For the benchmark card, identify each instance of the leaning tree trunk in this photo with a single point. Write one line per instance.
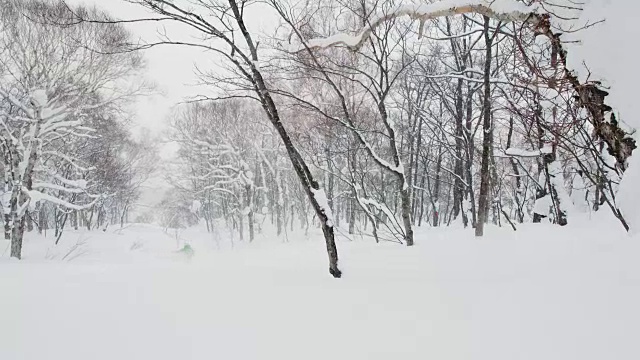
(590, 96)
(310, 185)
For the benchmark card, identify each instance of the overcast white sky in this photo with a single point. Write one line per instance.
(171, 68)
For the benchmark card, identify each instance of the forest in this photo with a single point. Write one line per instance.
(179, 175)
(433, 114)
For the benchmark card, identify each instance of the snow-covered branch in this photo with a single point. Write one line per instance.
(502, 10)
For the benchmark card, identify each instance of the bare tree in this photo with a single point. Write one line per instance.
(52, 80)
(222, 21)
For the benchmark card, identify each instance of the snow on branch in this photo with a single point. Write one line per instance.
(502, 10)
(385, 209)
(37, 196)
(547, 149)
(69, 160)
(50, 186)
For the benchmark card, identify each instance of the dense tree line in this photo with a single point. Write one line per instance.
(468, 117)
(409, 115)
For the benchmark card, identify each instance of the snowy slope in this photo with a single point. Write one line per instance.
(540, 293)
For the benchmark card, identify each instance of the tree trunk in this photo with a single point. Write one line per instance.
(250, 212)
(241, 225)
(352, 215)
(307, 180)
(7, 226)
(518, 193)
(16, 235)
(458, 187)
(405, 195)
(487, 134)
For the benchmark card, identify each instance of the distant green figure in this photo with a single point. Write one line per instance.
(187, 251)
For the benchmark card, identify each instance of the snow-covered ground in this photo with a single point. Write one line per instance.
(540, 293)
